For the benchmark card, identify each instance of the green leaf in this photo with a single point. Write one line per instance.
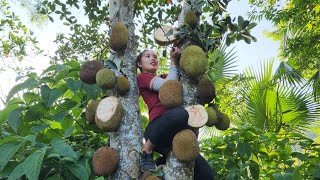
(316, 171)
(35, 112)
(30, 97)
(73, 85)
(58, 116)
(30, 166)
(92, 90)
(37, 128)
(49, 95)
(5, 112)
(7, 151)
(111, 64)
(28, 84)
(63, 149)
(240, 20)
(252, 25)
(244, 149)
(79, 171)
(14, 118)
(245, 24)
(68, 132)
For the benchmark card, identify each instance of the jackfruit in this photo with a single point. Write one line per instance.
(193, 61)
(123, 85)
(185, 146)
(224, 123)
(198, 116)
(109, 114)
(105, 161)
(119, 37)
(212, 117)
(106, 78)
(145, 175)
(171, 94)
(206, 90)
(191, 19)
(91, 111)
(89, 70)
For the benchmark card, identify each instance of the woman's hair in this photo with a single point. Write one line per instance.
(138, 59)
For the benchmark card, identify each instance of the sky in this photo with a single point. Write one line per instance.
(248, 55)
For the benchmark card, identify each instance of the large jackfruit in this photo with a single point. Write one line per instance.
(171, 94)
(105, 161)
(185, 146)
(119, 37)
(106, 78)
(206, 90)
(223, 123)
(89, 70)
(191, 19)
(193, 61)
(109, 114)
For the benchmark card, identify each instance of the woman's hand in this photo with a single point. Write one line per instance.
(174, 55)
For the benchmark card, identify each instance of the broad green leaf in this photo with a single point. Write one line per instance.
(245, 24)
(68, 132)
(73, 85)
(28, 84)
(316, 171)
(252, 25)
(240, 20)
(5, 173)
(32, 164)
(244, 149)
(49, 96)
(14, 118)
(61, 148)
(35, 112)
(30, 97)
(5, 112)
(55, 177)
(37, 128)
(79, 171)
(91, 90)
(7, 151)
(58, 116)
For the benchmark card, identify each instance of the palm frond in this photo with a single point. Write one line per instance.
(222, 63)
(288, 75)
(314, 82)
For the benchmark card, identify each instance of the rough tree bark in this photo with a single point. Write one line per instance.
(127, 140)
(174, 169)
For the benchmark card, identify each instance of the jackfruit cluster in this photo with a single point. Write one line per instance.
(105, 161)
(109, 114)
(91, 111)
(171, 94)
(89, 70)
(206, 90)
(123, 85)
(185, 146)
(119, 37)
(191, 19)
(106, 78)
(193, 61)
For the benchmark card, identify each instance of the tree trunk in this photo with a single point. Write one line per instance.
(127, 140)
(174, 168)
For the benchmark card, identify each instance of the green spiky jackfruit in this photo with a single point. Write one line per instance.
(185, 146)
(193, 61)
(105, 161)
(109, 114)
(206, 90)
(191, 18)
(91, 111)
(89, 70)
(106, 78)
(171, 94)
(123, 85)
(119, 37)
(224, 123)
(212, 117)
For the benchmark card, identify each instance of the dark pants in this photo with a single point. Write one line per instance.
(161, 131)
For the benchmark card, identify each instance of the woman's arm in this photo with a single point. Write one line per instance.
(157, 82)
